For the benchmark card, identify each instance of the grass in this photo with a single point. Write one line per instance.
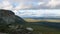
(38, 29)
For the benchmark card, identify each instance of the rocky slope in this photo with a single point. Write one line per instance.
(9, 21)
(8, 17)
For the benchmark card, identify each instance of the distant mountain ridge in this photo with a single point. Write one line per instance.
(43, 17)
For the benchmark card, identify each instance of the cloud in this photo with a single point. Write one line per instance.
(6, 5)
(41, 4)
(25, 5)
(38, 13)
(12, 5)
(22, 6)
(53, 3)
(30, 13)
(16, 5)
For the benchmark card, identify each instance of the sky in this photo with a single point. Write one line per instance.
(32, 8)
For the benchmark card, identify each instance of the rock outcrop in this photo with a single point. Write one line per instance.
(12, 24)
(9, 21)
(8, 17)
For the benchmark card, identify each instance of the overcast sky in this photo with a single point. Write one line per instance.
(32, 7)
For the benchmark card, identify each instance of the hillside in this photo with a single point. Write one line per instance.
(39, 20)
(9, 21)
(8, 17)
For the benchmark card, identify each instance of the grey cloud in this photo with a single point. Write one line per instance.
(42, 6)
(33, 4)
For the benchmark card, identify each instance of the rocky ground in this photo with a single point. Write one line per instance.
(12, 24)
